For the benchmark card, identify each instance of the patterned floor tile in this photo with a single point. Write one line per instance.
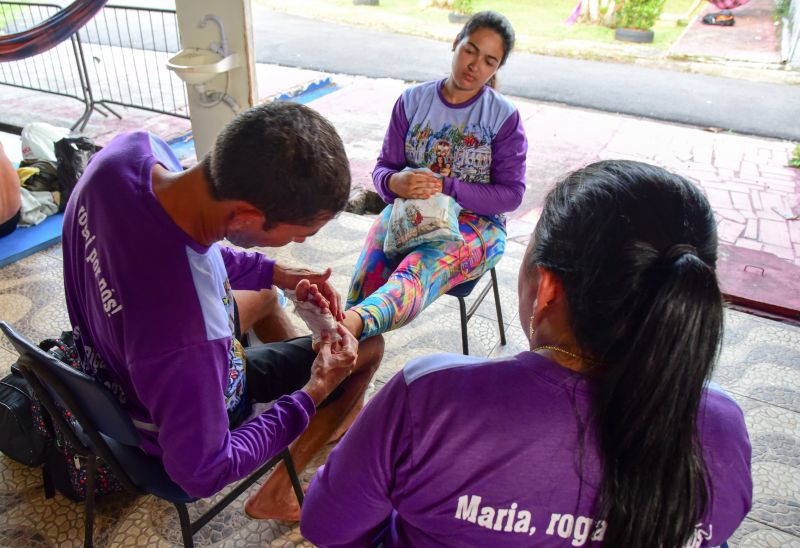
(759, 365)
(752, 534)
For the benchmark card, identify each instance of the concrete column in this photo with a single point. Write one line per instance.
(235, 16)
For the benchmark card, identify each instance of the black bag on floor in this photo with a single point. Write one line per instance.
(72, 155)
(67, 468)
(19, 438)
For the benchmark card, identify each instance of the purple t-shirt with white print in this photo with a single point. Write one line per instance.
(152, 311)
(459, 451)
(478, 147)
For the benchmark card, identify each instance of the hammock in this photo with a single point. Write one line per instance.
(728, 4)
(49, 33)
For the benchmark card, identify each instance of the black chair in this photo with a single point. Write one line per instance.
(462, 291)
(105, 431)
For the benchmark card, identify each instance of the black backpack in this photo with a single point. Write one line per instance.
(20, 437)
(27, 434)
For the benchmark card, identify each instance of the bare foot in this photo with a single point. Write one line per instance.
(287, 509)
(314, 309)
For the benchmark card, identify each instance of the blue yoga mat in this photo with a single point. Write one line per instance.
(28, 240)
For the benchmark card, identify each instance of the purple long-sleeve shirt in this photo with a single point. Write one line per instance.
(152, 312)
(458, 451)
(478, 146)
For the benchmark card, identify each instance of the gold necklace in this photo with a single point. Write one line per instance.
(563, 351)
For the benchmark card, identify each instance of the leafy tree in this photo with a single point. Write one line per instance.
(639, 14)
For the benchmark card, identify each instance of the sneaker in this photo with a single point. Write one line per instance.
(721, 18)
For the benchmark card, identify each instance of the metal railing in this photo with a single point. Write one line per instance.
(118, 58)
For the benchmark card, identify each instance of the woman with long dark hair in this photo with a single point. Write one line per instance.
(605, 432)
(458, 136)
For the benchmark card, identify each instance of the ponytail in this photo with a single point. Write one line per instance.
(635, 248)
(645, 409)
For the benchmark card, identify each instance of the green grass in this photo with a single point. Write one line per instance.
(539, 24)
(794, 161)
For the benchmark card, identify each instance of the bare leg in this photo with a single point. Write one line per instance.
(353, 322)
(275, 499)
(262, 311)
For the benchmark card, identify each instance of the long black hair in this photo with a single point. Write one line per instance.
(635, 248)
(493, 21)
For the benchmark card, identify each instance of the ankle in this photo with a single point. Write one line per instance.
(353, 322)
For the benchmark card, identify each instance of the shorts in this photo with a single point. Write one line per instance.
(278, 368)
(10, 225)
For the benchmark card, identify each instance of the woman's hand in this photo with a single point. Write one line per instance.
(414, 184)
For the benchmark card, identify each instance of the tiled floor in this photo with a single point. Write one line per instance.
(760, 366)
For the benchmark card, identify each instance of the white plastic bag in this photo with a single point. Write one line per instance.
(414, 222)
(39, 139)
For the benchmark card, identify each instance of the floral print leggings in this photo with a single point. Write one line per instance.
(389, 292)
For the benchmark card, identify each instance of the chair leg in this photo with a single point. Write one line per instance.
(47, 480)
(186, 525)
(88, 517)
(462, 307)
(298, 490)
(496, 290)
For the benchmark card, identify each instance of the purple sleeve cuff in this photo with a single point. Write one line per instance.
(247, 270)
(306, 401)
(392, 157)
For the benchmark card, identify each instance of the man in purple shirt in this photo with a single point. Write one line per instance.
(158, 306)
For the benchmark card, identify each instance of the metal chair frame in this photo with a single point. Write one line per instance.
(38, 369)
(466, 315)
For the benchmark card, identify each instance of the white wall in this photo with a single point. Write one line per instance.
(236, 18)
(793, 52)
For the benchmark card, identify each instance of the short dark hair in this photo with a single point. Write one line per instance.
(493, 21)
(284, 159)
(635, 248)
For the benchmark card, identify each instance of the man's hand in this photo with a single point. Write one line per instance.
(288, 278)
(333, 364)
(414, 184)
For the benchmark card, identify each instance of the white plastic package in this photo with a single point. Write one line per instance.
(414, 222)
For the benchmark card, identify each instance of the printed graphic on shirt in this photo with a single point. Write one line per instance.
(106, 292)
(215, 295)
(464, 152)
(578, 530)
(235, 400)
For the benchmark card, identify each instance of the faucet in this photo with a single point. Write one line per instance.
(220, 47)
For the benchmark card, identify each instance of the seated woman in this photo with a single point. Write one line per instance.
(471, 141)
(9, 195)
(606, 431)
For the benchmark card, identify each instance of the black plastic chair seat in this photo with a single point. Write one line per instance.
(147, 472)
(464, 290)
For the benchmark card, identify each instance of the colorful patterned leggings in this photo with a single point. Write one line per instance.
(390, 292)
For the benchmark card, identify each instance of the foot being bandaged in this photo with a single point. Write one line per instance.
(317, 319)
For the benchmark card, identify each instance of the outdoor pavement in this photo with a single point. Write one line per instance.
(759, 366)
(721, 101)
(753, 193)
(751, 40)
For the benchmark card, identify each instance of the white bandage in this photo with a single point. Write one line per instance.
(314, 317)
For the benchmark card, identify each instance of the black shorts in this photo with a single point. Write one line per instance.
(278, 368)
(10, 225)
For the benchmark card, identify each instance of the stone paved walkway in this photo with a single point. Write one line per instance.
(753, 39)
